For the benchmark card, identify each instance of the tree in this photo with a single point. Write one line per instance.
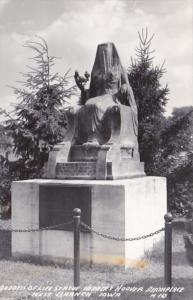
(151, 99)
(4, 181)
(165, 143)
(39, 119)
(175, 159)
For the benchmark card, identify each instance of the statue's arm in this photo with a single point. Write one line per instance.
(81, 82)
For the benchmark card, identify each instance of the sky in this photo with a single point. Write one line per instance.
(74, 28)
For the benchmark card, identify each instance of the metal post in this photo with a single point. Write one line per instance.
(168, 251)
(76, 219)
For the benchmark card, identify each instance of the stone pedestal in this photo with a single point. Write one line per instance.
(121, 208)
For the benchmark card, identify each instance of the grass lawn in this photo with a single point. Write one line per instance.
(28, 275)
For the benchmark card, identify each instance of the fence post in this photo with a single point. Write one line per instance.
(168, 252)
(76, 219)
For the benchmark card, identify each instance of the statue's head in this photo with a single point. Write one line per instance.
(106, 72)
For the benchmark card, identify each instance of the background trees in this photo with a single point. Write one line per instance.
(151, 100)
(5, 177)
(175, 159)
(39, 120)
(165, 144)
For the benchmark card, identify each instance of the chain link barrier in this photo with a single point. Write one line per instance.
(36, 230)
(88, 228)
(121, 239)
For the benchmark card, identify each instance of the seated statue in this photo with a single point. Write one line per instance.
(101, 140)
(109, 92)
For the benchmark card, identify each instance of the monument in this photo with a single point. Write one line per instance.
(96, 168)
(101, 142)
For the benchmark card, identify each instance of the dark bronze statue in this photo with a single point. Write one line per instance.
(101, 141)
(109, 90)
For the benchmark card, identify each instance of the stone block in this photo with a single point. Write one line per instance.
(120, 208)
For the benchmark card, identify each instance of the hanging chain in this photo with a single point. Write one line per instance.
(36, 230)
(85, 226)
(121, 239)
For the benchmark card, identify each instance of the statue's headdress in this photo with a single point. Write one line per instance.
(108, 76)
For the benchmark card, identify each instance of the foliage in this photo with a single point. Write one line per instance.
(175, 159)
(5, 180)
(37, 122)
(39, 119)
(5, 186)
(165, 144)
(151, 99)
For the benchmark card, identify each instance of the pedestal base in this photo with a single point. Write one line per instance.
(121, 208)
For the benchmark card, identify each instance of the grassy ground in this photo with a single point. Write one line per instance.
(25, 275)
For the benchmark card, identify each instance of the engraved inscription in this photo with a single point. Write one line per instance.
(76, 169)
